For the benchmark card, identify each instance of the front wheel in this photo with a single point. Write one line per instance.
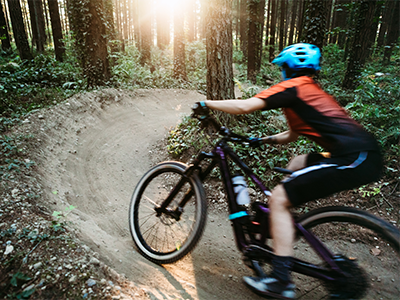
(367, 248)
(168, 235)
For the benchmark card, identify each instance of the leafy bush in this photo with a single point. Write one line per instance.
(33, 84)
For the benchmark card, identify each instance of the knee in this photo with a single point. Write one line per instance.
(279, 198)
(297, 163)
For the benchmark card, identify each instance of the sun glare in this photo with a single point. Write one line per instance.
(172, 4)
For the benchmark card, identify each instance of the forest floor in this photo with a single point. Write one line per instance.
(89, 152)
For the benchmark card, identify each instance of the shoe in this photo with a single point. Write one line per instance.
(270, 287)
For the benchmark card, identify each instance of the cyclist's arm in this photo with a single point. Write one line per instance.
(281, 138)
(236, 107)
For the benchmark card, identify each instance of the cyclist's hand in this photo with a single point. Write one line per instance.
(256, 142)
(200, 110)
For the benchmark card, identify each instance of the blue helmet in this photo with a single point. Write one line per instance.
(299, 57)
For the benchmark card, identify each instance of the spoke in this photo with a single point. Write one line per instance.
(151, 201)
(146, 217)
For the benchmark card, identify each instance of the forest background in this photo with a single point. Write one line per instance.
(53, 49)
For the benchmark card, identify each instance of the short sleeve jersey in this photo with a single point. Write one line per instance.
(313, 113)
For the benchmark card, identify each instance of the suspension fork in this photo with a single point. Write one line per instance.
(185, 178)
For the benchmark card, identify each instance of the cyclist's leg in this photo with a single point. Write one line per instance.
(278, 283)
(298, 162)
(282, 228)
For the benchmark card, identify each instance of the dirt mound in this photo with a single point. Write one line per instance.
(92, 150)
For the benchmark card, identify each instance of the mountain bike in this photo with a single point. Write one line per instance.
(340, 252)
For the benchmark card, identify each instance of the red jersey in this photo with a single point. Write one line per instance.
(313, 113)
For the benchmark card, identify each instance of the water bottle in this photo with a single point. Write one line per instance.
(240, 189)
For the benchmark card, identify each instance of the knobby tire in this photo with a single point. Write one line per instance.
(162, 239)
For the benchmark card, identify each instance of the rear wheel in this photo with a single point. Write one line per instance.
(167, 236)
(367, 249)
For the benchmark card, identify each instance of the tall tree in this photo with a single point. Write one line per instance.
(145, 31)
(179, 45)
(272, 31)
(315, 23)
(267, 25)
(56, 29)
(110, 25)
(341, 20)
(4, 36)
(191, 20)
(361, 43)
(386, 16)
(300, 20)
(163, 12)
(295, 13)
(243, 26)
(220, 83)
(135, 16)
(328, 22)
(373, 27)
(282, 20)
(34, 26)
(393, 32)
(255, 10)
(18, 28)
(87, 23)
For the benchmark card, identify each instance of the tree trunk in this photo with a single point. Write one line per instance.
(393, 33)
(56, 29)
(361, 43)
(261, 21)
(386, 18)
(295, 12)
(267, 26)
(373, 28)
(145, 31)
(5, 37)
(34, 26)
(19, 30)
(315, 23)
(300, 20)
(90, 38)
(282, 20)
(110, 25)
(256, 9)
(136, 23)
(179, 46)
(220, 83)
(341, 21)
(163, 24)
(243, 27)
(328, 18)
(191, 20)
(272, 31)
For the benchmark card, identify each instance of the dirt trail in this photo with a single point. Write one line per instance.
(96, 148)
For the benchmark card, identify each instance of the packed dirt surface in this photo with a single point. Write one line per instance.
(94, 149)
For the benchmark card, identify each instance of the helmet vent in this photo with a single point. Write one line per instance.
(302, 59)
(300, 53)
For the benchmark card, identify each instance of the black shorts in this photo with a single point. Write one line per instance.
(324, 176)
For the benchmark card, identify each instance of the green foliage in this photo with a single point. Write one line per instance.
(12, 155)
(129, 73)
(59, 216)
(29, 85)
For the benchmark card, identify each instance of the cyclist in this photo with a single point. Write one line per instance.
(353, 156)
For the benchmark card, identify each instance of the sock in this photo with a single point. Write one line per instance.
(281, 267)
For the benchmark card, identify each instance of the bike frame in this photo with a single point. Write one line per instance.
(255, 250)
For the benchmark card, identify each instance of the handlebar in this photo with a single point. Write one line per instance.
(203, 115)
